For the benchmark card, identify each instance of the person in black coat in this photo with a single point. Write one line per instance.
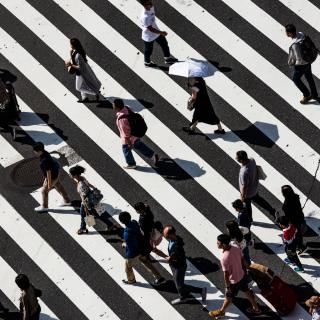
(178, 264)
(203, 109)
(293, 211)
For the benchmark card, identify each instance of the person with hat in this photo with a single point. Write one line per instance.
(178, 264)
(314, 307)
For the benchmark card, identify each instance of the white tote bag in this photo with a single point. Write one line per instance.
(260, 173)
(90, 221)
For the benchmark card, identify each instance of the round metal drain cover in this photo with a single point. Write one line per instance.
(27, 173)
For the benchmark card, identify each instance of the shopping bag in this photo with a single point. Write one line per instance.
(89, 219)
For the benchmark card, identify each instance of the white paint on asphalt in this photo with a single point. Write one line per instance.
(47, 259)
(11, 290)
(8, 154)
(146, 176)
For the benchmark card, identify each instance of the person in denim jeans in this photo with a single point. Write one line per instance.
(130, 142)
(300, 66)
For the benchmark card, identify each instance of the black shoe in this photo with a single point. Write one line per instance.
(159, 281)
(170, 60)
(82, 231)
(83, 100)
(317, 98)
(219, 131)
(150, 64)
(127, 282)
(188, 130)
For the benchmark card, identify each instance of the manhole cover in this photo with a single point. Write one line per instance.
(27, 173)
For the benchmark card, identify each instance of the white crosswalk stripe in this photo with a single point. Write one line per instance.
(189, 212)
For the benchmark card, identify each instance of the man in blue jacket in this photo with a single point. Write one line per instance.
(136, 250)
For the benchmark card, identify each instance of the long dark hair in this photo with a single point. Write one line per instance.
(234, 230)
(76, 44)
(287, 191)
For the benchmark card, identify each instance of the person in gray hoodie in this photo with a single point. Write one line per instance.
(300, 66)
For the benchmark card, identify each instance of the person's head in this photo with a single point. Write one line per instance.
(38, 148)
(223, 241)
(76, 45)
(117, 104)
(22, 281)
(147, 4)
(313, 302)
(291, 30)
(241, 156)
(234, 230)
(125, 217)
(76, 171)
(237, 205)
(140, 207)
(287, 191)
(283, 222)
(169, 232)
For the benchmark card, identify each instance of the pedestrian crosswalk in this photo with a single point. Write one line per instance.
(197, 178)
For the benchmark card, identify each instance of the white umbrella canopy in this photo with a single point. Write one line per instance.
(192, 68)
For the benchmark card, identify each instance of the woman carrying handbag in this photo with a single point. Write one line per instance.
(90, 197)
(86, 81)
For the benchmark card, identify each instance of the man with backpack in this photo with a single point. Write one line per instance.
(50, 169)
(136, 250)
(302, 53)
(131, 128)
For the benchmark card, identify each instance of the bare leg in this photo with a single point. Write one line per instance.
(252, 299)
(226, 304)
(193, 126)
(219, 126)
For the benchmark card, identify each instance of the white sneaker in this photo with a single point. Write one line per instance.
(64, 204)
(41, 209)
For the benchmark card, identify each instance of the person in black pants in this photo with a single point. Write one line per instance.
(293, 211)
(151, 33)
(178, 264)
(300, 66)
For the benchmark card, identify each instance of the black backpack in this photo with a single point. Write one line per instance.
(309, 50)
(137, 124)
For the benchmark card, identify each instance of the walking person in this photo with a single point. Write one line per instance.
(151, 234)
(235, 277)
(248, 184)
(314, 307)
(203, 109)
(293, 211)
(237, 235)
(301, 67)
(178, 264)
(289, 239)
(51, 172)
(29, 305)
(86, 81)
(129, 141)
(136, 250)
(151, 33)
(84, 189)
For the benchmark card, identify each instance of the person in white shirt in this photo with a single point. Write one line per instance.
(151, 33)
(300, 66)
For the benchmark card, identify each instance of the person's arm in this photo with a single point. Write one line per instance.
(79, 61)
(49, 179)
(244, 265)
(26, 308)
(125, 130)
(226, 276)
(296, 50)
(244, 186)
(152, 29)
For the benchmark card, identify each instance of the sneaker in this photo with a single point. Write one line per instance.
(204, 294)
(41, 209)
(216, 314)
(131, 166)
(159, 281)
(150, 64)
(317, 98)
(304, 100)
(287, 261)
(65, 204)
(155, 159)
(129, 282)
(253, 311)
(170, 60)
(83, 100)
(178, 301)
(188, 130)
(219, 131)
(82, 231)
(297, 269)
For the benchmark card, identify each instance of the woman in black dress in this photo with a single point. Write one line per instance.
(293, 211)
(203, 109)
